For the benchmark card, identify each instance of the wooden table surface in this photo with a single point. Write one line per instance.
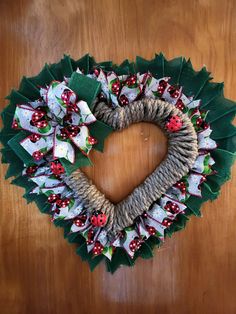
(195, 271)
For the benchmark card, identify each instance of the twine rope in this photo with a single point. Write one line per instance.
(182, 152)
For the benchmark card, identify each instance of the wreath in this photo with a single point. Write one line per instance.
(56, 118)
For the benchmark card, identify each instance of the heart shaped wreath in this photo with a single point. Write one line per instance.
(55, 119)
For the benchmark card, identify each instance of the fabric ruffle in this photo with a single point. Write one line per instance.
(176, 82)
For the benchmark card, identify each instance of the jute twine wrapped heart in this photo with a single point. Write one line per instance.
(49, 128)
(182, 152)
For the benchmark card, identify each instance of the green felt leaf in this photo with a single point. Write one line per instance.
(66, 66)
(179, 223)
(44, 209)
(193, 82)
(56, 71)
(14, 143)
(9, 156)
(8, 113)
(125, 68)
(41, 202)
(223, 130)
(227, 144)
(155, 66)
(75, 237)
(45, 77)
(60, 223)
(106, 65)
(23, 181)
(219, 108)
(28, 89)
(93, 261)
(17, 98)
(153, 241)
(82, 251)
(72, 237)
(120, 257)
(173, 69)
(80, 161)
(209, 93)
(142, 65)
(145, 251)
(85, 63)
(30, 197)
(194, 203)
(223, 163)
(6, 134)
(100, 131)
(86, 88)
(14, 169)
(67, 228)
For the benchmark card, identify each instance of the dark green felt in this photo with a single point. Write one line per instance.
(197, 84)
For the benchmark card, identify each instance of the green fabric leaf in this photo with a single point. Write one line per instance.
(8, 113)
(56, 70)
(219, 108)
(194, 203)
(14, 143)
(66, 66)
(6, 135)
(28, 89)
(106, 65)
(17, 98)
(100, 131)
(43, 205)
(72, 237)
(145, 251)
(227, 144)
(120, 257)
(82, 251)
(153, 241)
(125, 68)
(155, 66)
(45, 77)
(223, 163)
(85, 64)
(9, 156)
(80, 161)
(209, 93)
(93, 261)
(223, 130)
(30, 197)
(23, 181)
(180, 222)
(14, 169)
(86, 88)
(193, 82)
(173, 69)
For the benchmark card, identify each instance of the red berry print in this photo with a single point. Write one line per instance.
(172, 207)
(98, 248)
(31, 170)
(37, 155)
(80, 220)
(135, 244)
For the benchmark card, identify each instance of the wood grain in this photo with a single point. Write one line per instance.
(195, 271)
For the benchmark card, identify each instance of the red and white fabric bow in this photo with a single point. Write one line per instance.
(57, 122)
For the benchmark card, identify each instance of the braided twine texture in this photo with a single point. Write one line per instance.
(182, 152)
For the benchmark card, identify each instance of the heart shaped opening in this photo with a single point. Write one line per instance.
(182, 152)
(129, 157)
